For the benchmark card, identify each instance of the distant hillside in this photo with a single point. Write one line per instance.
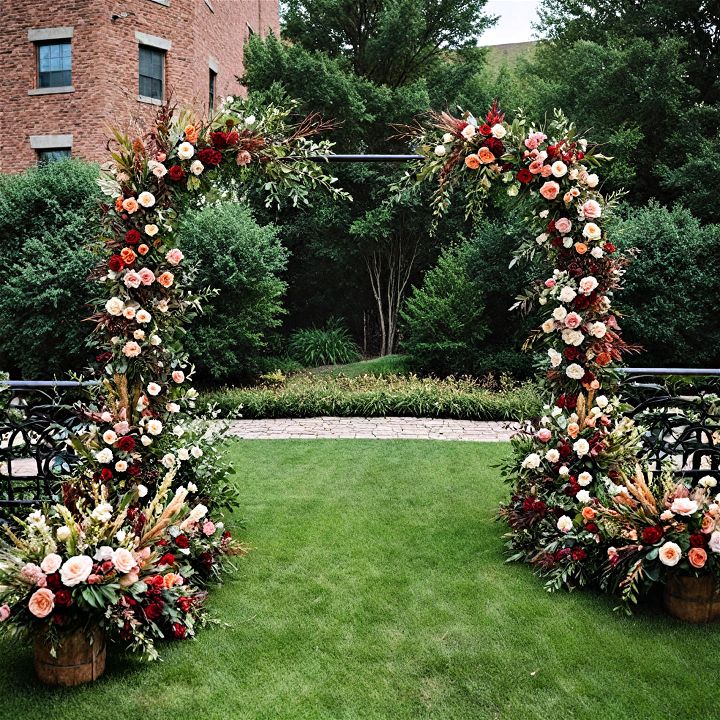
(509, 53)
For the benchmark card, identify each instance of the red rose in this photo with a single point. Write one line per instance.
(134, 470)
(184, 603)
(126, 443)
(578, 554)
(551, 150)
(524, 175)
(154, 610)
(178, 630)
(167, 559)
(63, 598)
(485, 129)
(182, 542)
(494, 146)
(592, 527)
(115, 263)
(651, 535)
(609, 248)
(571, 353)
(157, 581)
(107, 567)
(53, 581)
(209, 157)
(132, 237)
(206, 560)
(580, 155)
(176, 173)
(106, 474)
(539, 506)
(562, 554)
(222, 140)
(697, 540)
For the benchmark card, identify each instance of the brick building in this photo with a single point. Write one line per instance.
(70, 69)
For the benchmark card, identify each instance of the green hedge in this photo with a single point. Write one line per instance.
(370, 396)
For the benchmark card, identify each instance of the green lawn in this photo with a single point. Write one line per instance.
(388, 365)
(377, 589)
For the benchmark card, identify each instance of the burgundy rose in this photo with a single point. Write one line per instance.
(178, 630)
(132, 237)
(209, 157)
(698, 540)
(495, 146)
(578, 554)
(581, 302)
(106, 474)
(651, 535)
(182, 542)
(176, 173)
(223, 140)
(562, 554)
(115, 263)
(556, 242)
(571, 353)
(184, 603)
(63, 598)
(565, 450)
(571, 402)
(592, 527)
(53, 581)
(206, 560)
(103, 357)
(59, 618)
(524, 176)
(154, 610)
(609, 248)
(126, 443)
(134, 470)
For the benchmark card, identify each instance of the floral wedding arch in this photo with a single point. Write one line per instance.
(138, 537)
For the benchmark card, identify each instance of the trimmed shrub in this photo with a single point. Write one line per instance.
(242, 261)
(48, 215)
(332, 345)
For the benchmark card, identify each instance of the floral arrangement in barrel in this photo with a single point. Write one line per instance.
(574, 513)
(138, 535)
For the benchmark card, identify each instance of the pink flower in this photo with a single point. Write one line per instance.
(132, 279)
(32, 574)
(166, 279)
(243, 158)
(147, 276)
(550, 283)
(208, 528)
(4, 612)
(546, 171)
(684, 506)
(591, 209)
(588, 284)
(51, 563)
(178, 376)
(131, 349)
(123, 560)
(122, 428)
(536, 167)
(550, 190)
(174, 256)
(563, 225)
(544, 435)
(41, 603)
(573, 320)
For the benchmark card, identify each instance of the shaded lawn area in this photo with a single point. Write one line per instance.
(377, 589)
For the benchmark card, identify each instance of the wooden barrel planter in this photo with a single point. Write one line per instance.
(692, 599)
(80, 659)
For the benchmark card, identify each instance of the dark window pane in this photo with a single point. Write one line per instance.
(152, 72)
(54, 64)
(52, 155)
(213, 77)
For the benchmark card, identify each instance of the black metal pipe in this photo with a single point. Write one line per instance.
(32, 384)
(669, 371)
(366, 158)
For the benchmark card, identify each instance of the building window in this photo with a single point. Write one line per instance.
(213, 80)
(54, 63)
(49, 155)
(152, 72)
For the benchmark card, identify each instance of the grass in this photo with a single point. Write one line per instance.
(377, 590)
(379, 366)
(317, 395)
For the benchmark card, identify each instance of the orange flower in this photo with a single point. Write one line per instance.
(472, 161)
(166, 279)
(573, 430)
(128, 256)
(485, 156)
(580, 248)
(172, 579)
(708, 524)
(191, 134)
(588, 513)
(697, 557)
(119, 204)
(603, 359)
(130, 205)
(143, 249)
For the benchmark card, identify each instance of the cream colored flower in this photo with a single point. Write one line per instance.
(76, 570)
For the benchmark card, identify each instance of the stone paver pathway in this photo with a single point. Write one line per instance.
(381, 428)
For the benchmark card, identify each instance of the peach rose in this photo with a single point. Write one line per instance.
(581, 248)
(191, 134)
(550, 190)
(119, 204)
(697, 557)
(51, 563)
(132, 280)
(670, 554)
(546, 171)
(128, 256)
(563, 225)
(472, 161)
(76, 570)
(573, 430)
(129, 579)
(591, 209)
(166, 279)
(708, 525)
(535, 167)
(147, 276)
(174, 256)
(573, 320)
(243, 158)
(131, 349)
(130, 205)
(41, 603)
(172, 579)
(143, 249)
(485, 156)
(123, 560)
(588, 513)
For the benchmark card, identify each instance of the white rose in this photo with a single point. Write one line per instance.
(76, 570)
(197, 513)
(142, 491)
(115, 306)
(103, 553)
(168, 460)
(146, 199)
(559, 169)
(196, 167)
(109, 437)
(548, 326)
(597, 329)
(155, 340)
(592, 180)
(123, 560)
(591, 231)
(196, 452)
(601, 401)
(670, 554)
(63, 533)
(139, 335)
(104, 456)
(178, 430)
(121, 466)
(532, 461)
(146, 440)
(102, 513)
(581, 447)
(448, 137)
(143, 316)
(567, 294)
(192, 487)
(707, 481)
(183, 454)
(151, 230)
(250, 119)
(157, 168)
(185, 151)
(584, 479)
(560, 313)
(172, 407)
(153, 389)
(552, 455)
(440, 150)
(583, 496)
(154, 427)
(468, 132)
(499, 131)
(597, 252)
(555, 357)
(564, 470)
(564, 524)
(51, 563)
(572, 337)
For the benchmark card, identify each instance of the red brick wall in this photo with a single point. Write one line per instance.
(105, 65)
